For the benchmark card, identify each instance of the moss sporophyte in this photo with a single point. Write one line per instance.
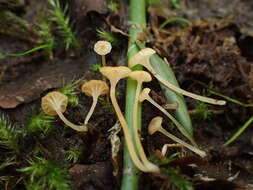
(55, 103)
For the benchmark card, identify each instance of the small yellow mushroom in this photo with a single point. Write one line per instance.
(55, 103)
(142, 58)
(102, 48)
(140, 77)
(156, 125)
(145, 96)
(114, 74)
(94, 88)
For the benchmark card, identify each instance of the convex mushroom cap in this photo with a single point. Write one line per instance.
(155, 125)
(95, 87)
(140, 76)
(102, 47)
(52, 100)
(115, 73)
(142, 57)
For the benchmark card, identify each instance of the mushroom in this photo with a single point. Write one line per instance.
(145, 96)
(55, 103)
(166, 146)
(142, 58)
(94, 88)
(156, 125)
(140, 77)
(102, 48)
(114, 74)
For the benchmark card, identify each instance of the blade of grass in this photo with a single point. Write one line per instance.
(239, 132)
(230, 99)
(138, 17)
(181, 20)
(43, 46)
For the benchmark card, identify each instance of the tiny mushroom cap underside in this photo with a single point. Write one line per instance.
(141, 76)
(155, 125)
(141, 57)
(52, 101)
(95, 87)
(102, 47)
(115, 73)
(144, 94)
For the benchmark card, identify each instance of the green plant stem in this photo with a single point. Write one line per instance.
(138, 17)
(175, 19)
(239, 132)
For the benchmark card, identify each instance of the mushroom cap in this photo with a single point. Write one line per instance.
(115, 73)
(54, 100)
(155, 125)
(142, 57)
(140, 76)
(97, 87)
(144, 94)
(102, 47)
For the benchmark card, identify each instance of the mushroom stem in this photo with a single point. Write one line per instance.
(142, 58)
(179, 126)
(166, 146)
(190, 147)
(126, 131)
(94, 103)
(139, 147)
(68, 123)
(186, 93)
(103, 60)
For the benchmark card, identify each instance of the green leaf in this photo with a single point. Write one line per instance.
(164, 70)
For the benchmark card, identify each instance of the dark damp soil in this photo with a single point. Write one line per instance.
(214, 52)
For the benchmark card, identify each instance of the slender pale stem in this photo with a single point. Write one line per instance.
(103, 60)
(178, 140)
(94, 103)
(139, 147)
(184, 92)
(179, 126)
(126, 131)
(166, 146)
(68, 123)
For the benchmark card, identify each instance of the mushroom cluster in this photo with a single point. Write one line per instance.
(55, 103)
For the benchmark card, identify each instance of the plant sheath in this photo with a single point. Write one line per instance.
(138, 19)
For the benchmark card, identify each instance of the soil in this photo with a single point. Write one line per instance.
(213, 52)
